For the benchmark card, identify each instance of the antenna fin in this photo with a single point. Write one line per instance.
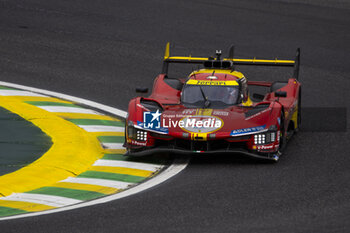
(167, 51)
(166, 56)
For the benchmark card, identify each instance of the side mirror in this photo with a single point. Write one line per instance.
(281, 94)
(258, 96)
(141, 89)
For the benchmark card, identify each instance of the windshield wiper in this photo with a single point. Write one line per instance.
(206, 101)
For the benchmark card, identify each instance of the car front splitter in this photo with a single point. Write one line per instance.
(146, 152)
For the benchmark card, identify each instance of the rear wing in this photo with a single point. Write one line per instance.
(230, 61)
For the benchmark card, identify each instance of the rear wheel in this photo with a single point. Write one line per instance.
(282, 137)
(299, 112)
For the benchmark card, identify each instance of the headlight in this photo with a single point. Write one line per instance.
(259, 139)
(273, 136)
(141, 135)
(136, 134)
(264, 138)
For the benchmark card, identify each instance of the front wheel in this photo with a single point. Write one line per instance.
(281, 139)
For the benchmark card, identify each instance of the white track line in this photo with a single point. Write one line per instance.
(90, 103)
(113, 146)
(176, 167)
(50, 200)
(69, 109)
(100, 182)
(101, 128)
(136, 165)
(19, 93)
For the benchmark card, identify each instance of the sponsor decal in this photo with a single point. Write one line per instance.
(212, 82)
(264, 147)
(220, 113)
(201, 124)
(133, 142)
(204, 112)
(247, 130)
(189, 111)
(154, 121)
(173, 115)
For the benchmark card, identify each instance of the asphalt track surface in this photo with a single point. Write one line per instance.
(101, 50)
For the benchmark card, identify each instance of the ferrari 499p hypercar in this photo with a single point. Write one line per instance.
(212, 110)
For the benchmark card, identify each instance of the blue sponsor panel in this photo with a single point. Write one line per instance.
(247, 130)
(152, 121)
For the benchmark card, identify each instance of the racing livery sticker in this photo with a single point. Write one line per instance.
(220, 113)
(201, 124)
(212, 82)
(152, 121)
(265, 147)
(247, 130)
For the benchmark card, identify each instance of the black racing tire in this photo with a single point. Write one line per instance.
(299, 112)
(282, 136)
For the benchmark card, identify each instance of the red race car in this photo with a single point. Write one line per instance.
(212, 111)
